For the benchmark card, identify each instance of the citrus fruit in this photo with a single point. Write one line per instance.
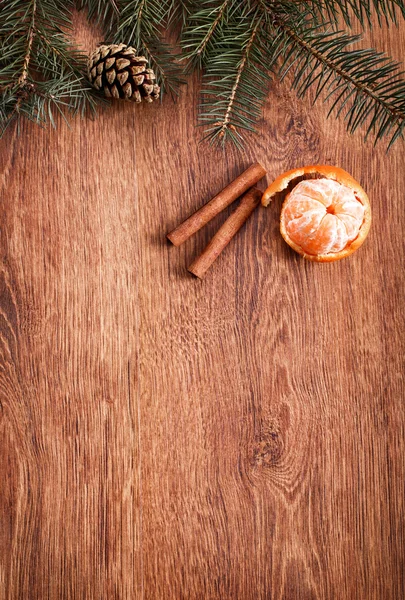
(325, 215)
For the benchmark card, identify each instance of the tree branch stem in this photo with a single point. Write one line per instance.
(24, 74)
(227, 118)
(211, 30)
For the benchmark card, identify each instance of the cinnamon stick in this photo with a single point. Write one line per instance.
(232, 191)
(225, 233)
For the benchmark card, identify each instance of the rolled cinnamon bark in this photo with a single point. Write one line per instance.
(232, 191)
(225, 233)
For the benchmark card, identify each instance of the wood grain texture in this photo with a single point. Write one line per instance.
(164, 438)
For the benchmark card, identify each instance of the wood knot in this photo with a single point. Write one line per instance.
(268, 451)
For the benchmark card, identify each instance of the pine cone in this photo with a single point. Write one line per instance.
(120, 73)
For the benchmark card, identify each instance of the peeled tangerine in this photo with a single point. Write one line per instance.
(326, 216)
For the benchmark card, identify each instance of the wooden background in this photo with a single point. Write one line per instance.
(163, 438)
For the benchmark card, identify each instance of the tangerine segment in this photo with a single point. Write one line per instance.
(322, 216)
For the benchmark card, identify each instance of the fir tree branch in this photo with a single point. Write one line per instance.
(363, 84)
(31, 34)
(236, 80)
(332, 11)
(362, 10)
(322, 58)
(243, 63)
(366, 84)
(203, 44)
(21, 82)
(39, 68)
(197, 39)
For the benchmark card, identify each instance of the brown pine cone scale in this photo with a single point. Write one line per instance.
(120, 73)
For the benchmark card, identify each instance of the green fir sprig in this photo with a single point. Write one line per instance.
(41, 72)
(257, 39)
(238, 46)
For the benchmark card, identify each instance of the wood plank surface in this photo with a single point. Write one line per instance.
(165, 438)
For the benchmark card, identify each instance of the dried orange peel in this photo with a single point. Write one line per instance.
(326, 214)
